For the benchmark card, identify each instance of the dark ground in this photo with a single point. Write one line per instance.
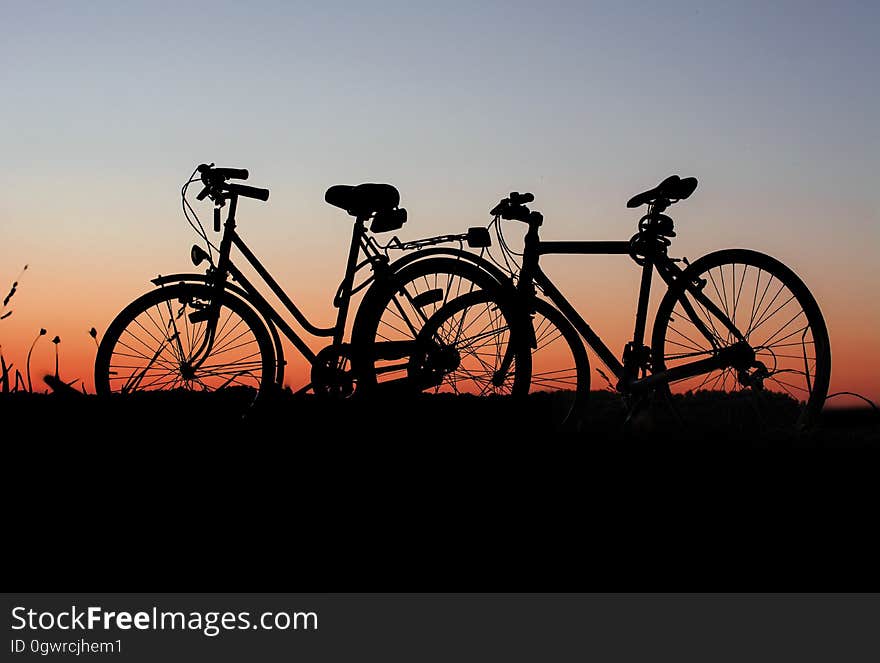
(168, 494)
(495, 419)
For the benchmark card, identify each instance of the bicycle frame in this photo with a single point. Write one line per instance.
(225, 276)
(634, 357)
(226, 268)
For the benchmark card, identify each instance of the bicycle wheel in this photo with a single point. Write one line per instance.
(468, 347)
(560, 368)
(394, 311)
(785, 385)
(150, 345)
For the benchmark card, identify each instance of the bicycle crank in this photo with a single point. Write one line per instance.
(331, 372)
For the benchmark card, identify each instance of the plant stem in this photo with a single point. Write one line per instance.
(4, 378)
(30, 386)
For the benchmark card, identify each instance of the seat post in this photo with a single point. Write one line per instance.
(348, 279)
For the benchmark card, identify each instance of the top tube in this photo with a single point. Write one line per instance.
(584, 248)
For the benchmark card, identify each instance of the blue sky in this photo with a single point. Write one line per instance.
(773, 106)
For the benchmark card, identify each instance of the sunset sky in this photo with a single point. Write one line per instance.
(107, 108)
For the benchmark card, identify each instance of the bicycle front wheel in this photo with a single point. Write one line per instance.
(560, 368)
(785, 385)
(154, 345)
(469, 346)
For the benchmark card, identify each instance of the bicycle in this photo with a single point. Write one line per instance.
(736, 329)
(216, 331)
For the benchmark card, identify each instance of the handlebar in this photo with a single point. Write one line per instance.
(215, 183)
(222, 173)
(514, 208)
(522, 213)
(232, 173)
(248, 191)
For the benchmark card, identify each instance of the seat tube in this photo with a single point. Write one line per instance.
(348, 280)
(644, 296)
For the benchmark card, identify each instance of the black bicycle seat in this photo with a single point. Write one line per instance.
(363, 200)
(672, 188)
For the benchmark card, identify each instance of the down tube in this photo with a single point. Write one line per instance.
(579, 323)
(271, 314)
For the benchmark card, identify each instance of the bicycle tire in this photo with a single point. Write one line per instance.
(551, 374)
(450, 328)
(760, 402)
(374, 312)
(255, 366)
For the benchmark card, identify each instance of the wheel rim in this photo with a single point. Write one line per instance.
(559, 369)
(404, 316)
(777, 318)
(554, 368)
(461, 350)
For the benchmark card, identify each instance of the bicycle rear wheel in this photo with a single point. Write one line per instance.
(785, 386)
(151, 345)
(396, 309)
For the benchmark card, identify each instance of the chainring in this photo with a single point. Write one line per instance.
(331, 372)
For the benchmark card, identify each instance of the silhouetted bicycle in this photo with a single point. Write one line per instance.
(736, 329)
(215, 331)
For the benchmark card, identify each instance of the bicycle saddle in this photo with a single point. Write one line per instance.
(363, 200)
(672, 188)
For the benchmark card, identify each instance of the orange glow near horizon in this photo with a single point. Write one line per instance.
(603, 289)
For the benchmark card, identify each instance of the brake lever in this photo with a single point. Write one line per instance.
(216, 219)
(500, 207)
(203, 193)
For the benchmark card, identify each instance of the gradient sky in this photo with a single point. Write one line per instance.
(107, 107)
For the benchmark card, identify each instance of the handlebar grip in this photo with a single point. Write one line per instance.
(248, 191)
(517, 198)
(231, 173)
(516, 213)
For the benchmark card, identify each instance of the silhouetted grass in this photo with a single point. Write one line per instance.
(4, 375)
(6, 370)
(311, 420)
(30, 352)
(55, 382)
(5, 311)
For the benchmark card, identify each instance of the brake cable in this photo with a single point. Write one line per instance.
(197, 224)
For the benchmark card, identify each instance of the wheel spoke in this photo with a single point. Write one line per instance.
(152, 349)
(768, 306)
